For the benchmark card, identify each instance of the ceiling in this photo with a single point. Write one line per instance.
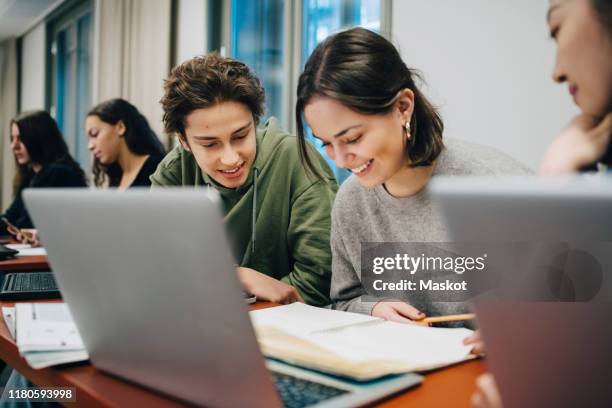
(17, 16)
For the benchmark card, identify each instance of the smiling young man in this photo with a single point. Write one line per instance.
(277, 217)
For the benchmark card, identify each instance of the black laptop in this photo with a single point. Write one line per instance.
(29, 285)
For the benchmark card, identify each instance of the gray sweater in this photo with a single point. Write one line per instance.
(363, 214)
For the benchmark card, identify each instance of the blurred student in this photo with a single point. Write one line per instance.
(125, 149)
(277, 217)
(43, 161)
(582, 30)
(361, 101)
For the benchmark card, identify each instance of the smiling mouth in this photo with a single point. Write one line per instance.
(362, 168)
(233, 170)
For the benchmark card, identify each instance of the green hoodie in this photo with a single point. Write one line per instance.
(291, 213)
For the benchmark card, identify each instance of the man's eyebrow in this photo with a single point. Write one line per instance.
(215, 137)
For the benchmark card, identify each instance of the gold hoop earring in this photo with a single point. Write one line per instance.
(407, 127)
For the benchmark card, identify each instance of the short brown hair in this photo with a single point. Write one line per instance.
(365, 72)
(205, 81)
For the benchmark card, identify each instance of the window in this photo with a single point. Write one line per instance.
(257, 40)
(70, 76)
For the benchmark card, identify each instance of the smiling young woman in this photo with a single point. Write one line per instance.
(362, 102)
(277, 217)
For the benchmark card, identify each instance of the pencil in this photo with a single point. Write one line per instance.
(448, 318)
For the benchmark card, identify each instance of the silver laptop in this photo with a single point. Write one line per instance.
(150, 282)
(543, 353)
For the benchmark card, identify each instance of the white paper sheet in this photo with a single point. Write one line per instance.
(357, 337)
(45, 327)
(298, 318)
(27, 250)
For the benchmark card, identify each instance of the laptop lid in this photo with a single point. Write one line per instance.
(544, 352)
(151, 284)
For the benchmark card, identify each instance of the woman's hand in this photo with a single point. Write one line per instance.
(400, 312)
(486, 394)
(476, 342)
(583, 142)
(267, 288)
(28, 236)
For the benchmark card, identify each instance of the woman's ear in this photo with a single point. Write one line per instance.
(405, 104)
(120, 126)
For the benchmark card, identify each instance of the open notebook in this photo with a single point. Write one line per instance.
(354, 345)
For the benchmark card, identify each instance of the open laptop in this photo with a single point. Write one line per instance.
(543, 353)
(150, 282)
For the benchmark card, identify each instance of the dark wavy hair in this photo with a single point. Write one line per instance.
(138, 136)
(365, 72)
(603, 11)
(206, 81)
(41, 136)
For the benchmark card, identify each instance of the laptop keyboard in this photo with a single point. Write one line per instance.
(32, 281)
(296, 392)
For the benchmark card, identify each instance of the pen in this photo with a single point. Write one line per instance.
(448, 318)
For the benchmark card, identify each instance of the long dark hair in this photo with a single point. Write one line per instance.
(43, 140)
(364, 72)
(139, 137)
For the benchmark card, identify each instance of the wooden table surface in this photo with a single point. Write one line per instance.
(25, 263)
(451, 386)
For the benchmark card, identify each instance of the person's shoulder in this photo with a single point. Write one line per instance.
(60, 174)
(61, 169)
(153, 161)
(282, 149)
(172, 159)
(351, 195)
(169, 171)
(461, 157)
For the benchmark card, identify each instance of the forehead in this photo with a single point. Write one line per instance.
(14, 129)
(217, 120)
(93, 120)
(326, 116)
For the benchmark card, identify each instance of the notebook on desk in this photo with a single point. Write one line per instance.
(167, 310)
(355, 345)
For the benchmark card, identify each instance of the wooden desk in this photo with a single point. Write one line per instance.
(25, 263)
(452, 386)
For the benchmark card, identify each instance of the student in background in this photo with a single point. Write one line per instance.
(126, 150)
(582, 30)
(42, 160)
(361, 101)
(277, 217)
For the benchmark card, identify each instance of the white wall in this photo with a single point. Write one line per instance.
(33, 69)
(487, 64)
(191, 34)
